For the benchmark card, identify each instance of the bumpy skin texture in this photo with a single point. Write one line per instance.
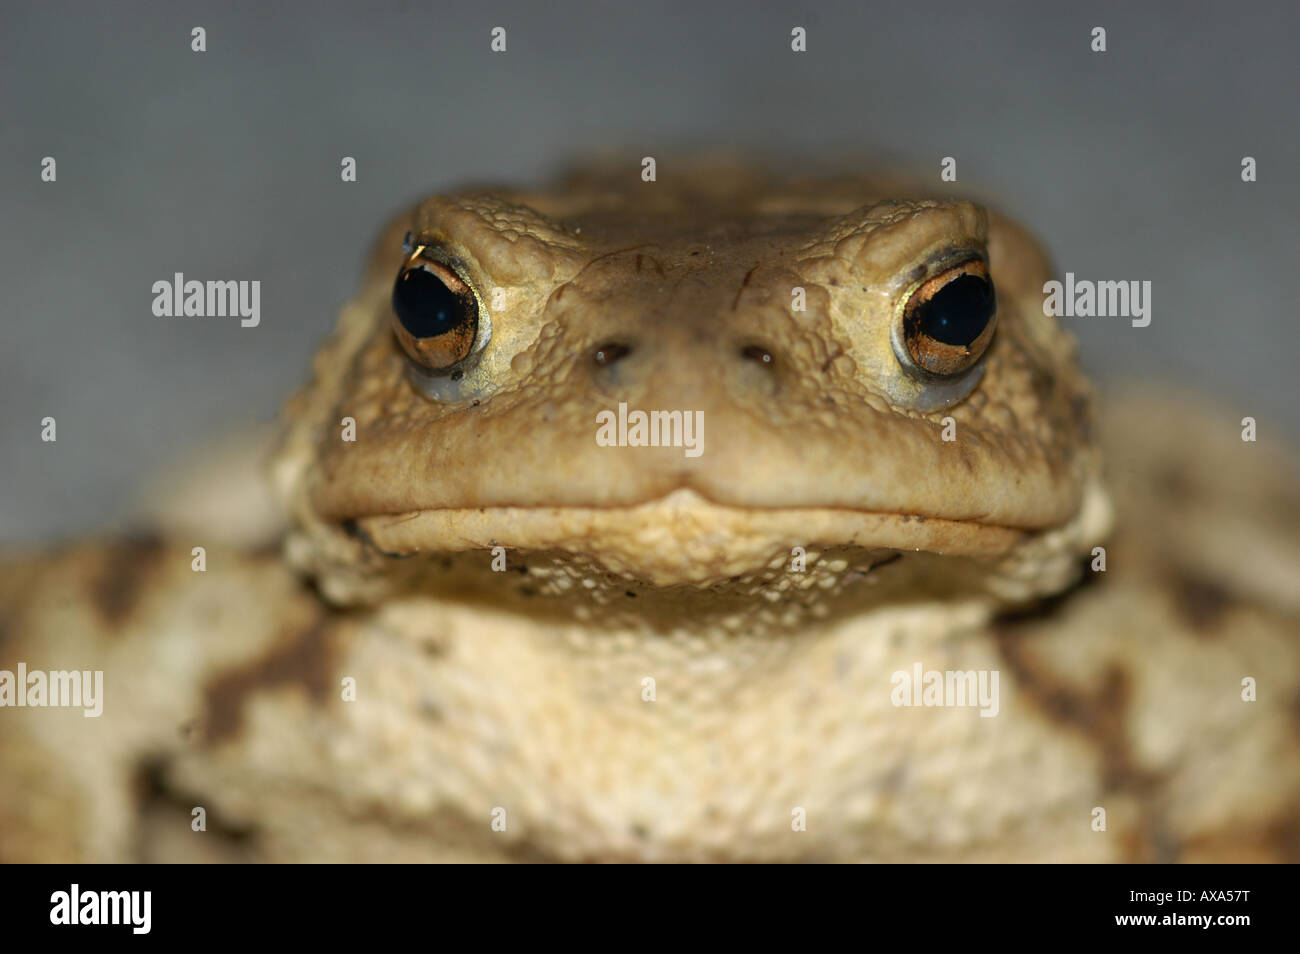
(521, 696)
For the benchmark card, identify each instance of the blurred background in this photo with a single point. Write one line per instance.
(225, 165)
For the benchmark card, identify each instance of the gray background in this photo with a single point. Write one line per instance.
(226, 165)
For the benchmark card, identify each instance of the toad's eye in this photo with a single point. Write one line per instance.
(948, 320)
(435, 314)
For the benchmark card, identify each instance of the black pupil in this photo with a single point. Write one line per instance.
(425, 306)
(959, 312)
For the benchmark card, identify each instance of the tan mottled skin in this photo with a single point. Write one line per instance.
(522, 691)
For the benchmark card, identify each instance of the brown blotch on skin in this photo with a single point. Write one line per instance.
(1042, 382)
(123, 575)
(1201, 603)
(158, 803)
(1100, 715)
(1082, 411)
(1174, 482)
(302, 658)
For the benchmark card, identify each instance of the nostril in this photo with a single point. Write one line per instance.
(607, 354)
(758, 354)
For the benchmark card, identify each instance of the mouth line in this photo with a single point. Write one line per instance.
(402, 516)
(682, 518)
(682, 499)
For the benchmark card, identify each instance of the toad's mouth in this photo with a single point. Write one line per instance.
(682, 537)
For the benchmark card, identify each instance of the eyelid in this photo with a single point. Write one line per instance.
(945, 261)
(969, 266)
(428, 250)
(447, 274)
